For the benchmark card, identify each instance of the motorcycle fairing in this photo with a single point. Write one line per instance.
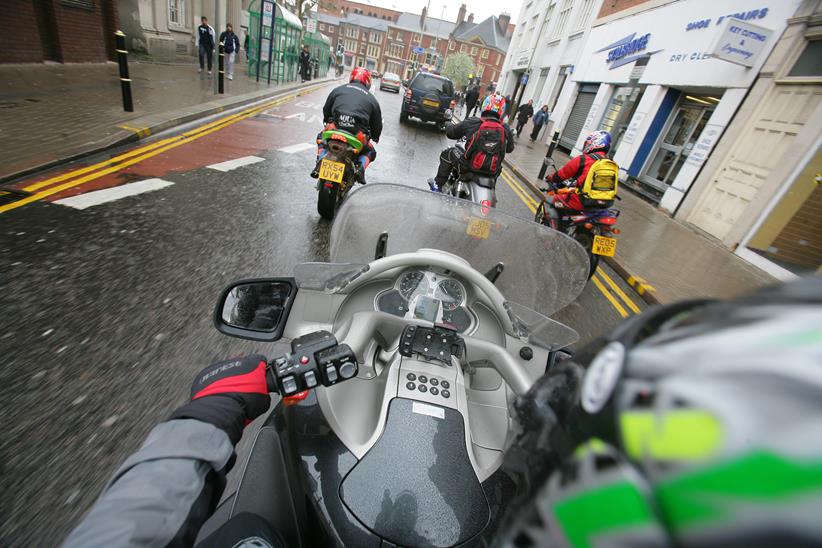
(423, 495)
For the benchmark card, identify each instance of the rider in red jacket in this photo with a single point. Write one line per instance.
(595, 147)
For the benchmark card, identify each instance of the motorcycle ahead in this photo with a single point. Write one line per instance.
(480, 189)
(396, 419)
(337, 170)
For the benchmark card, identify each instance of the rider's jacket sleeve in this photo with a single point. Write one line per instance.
(569, 171)
(509, 139)
(469, 126)
(163, 493)
(328, 110)
(376, 120)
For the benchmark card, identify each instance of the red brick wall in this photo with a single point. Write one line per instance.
(333, 7)
(491, 67)
(20, 42)
(614, 6)
(50, 30)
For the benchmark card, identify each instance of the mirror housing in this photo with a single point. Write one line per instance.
(255, 309)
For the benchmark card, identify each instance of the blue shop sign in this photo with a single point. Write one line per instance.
(624, 51)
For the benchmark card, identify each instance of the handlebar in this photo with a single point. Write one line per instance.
(316, 358)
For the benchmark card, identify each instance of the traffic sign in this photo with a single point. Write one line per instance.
(418, 49)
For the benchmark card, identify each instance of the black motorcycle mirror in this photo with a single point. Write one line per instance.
(255, 309)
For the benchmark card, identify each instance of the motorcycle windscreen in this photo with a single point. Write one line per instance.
(544, 269)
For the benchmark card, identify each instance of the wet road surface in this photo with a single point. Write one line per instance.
(107, 310)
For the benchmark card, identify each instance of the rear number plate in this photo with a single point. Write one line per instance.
(429, 103)
(332, 171)
(479, 228)
(604, 246)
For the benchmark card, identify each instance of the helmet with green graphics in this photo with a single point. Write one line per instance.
(693, 424)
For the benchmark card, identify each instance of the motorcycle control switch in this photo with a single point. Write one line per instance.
(314, 359)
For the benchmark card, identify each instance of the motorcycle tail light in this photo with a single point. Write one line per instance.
(486, 206)
(294, 399)
(616, 231)
(589, 226)
(328, 185)
(607, 220)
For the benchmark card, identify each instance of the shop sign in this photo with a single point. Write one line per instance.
(311, 26)
(630, 133)
(742, 16)
(626, 50)
(740, 42)
(522, 60)
(704, 145)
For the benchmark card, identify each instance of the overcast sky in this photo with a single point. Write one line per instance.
(480, 8)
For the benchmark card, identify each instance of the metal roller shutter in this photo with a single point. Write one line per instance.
(579, 113)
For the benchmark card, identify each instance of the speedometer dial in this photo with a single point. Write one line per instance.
(451, 293)
(412, 283)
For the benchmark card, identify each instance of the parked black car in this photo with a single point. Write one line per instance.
(429, 97)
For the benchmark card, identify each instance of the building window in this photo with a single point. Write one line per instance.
(463, 48)
(375, 38)
(395, 50)
(584, 14)
(562, 19)
(352, 32)
(452, 46)
(350, 45)
(473, 50)
(176, 11)
(322, 26)
(808, 63)
(399, 37)
(373, 52)
(484, 54)
(480, 70)
(499, 58)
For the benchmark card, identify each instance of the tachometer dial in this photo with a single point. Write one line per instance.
(412, 283)
(451, 293)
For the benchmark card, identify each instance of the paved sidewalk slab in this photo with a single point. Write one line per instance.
(676, 259)
(55, 113)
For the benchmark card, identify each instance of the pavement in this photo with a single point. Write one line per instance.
(663, 259)
(51, 114)
(108, 296)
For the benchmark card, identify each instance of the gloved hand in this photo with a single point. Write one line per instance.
(229, 394)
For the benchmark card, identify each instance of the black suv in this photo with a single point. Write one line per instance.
(429, 97)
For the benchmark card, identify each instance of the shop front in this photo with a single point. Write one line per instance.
(658, 84)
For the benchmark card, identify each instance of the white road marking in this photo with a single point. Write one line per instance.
(97, 197)
(234, 164)
(297, 148)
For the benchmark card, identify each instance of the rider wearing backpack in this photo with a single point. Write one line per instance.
(592, 176)
(488, 140)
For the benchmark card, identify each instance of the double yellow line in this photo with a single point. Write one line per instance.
(603, 282)
(83, 175)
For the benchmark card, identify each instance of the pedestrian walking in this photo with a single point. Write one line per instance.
(524, 112)
(305, 63)
(205, 43)
(471, 96)
(539, 120)
(231, 46)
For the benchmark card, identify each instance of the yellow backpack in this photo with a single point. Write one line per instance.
(602, 180)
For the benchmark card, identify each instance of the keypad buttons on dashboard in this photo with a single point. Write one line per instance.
(423, 388)
(446, 394)
(411, 386)
(411, 377)
(434, 391)
(423, 378)
(434, 382)
(445, 385)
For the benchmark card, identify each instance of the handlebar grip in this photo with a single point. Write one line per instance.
(271, 379)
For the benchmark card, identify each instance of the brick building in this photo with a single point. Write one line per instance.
(339, 8)
(363, 38)
(486, 42)
(66, 31)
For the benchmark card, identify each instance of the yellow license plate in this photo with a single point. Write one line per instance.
(429, 103)
(604, 246)
(479, 228)
(332, 171)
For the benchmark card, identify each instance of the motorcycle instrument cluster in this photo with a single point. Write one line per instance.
(428, 296)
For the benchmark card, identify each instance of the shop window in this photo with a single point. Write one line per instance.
(810, 62)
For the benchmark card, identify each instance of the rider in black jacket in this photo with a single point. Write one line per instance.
(352, 108)
(452, 157)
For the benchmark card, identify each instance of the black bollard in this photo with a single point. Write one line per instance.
(122, 60)
(221, 68)
(544, 167)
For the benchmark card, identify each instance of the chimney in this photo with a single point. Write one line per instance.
(470, 17)
(423, 15)
(504, 19)
(461, 15)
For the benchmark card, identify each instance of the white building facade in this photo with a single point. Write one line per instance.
(544, 52)
(667, 116)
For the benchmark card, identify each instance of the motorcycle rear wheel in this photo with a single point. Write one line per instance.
(327, 201)
(586, 240)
